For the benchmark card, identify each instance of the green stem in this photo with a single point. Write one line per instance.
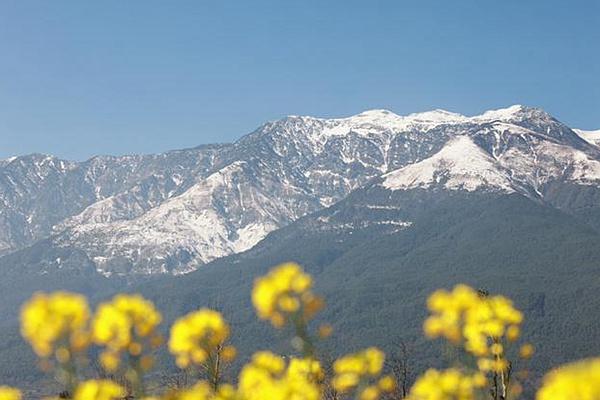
(308, 347)
(214, 367)
(137, 383)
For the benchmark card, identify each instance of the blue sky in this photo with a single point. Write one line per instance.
(79, 78)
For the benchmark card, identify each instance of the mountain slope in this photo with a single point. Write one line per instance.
(38, 192)
(233, 196)
(378, 254)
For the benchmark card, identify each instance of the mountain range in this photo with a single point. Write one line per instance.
(176, 211)
(381, 209)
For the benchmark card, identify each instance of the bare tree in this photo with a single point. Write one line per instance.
(177, 380)
(399, 364)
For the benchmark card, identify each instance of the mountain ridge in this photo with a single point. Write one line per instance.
(175, 211)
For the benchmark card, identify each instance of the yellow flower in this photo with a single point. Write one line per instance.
(387, 383)
(450, 384)
(283, 292)
(325, 330)
(370, 393)
(496, 349)
(579, 380)
(478, 322)
(8, 393)
(47, 319)
(197, 336)
(126, 323)
(203, 391)
(266, 377)
(513, 332)
(526, 351)
(307, 367)
(355, 369)
(228, 353)
(98, 390)
(109, 360)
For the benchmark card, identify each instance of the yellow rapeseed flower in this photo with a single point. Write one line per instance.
(387, 383)
(579, 380)
(266, 377)
(55, 319)
(478, 322)
(360, 368)
(228, 353)
(126, 323)
(197, 336)
(307, 367)
(8, 393)
(450, 384)
(371, 392)
(526, 351)
(203, 391)
(325, 330)
(99, 390)
(283, 292)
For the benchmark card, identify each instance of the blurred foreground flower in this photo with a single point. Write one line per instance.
(99, 390)
(267, 377)
(127, 324)
(56, 322)
(579, 380)
(198, 339)
(360, 370)
(8, 393)
(472, 318)
(203, 391)
(284, 293)
(451, 384)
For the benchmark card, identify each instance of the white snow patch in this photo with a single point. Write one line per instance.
(502, 114)
(8, 160)
(545, 161)
(250, 235)
(404, 224)
(460, 165)
(592, 137)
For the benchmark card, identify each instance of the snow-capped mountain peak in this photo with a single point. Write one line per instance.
(376, 113)
(518, 114)
(460, 164)
(502, 114)
(433, 117)
(437, 115)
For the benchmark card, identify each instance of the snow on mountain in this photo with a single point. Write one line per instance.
(502, 114)
(592, 137)
(38, 192)
(545, 161)
(167, 175)
(518, 160)
(223, 214)
(461, 164)
(172, 212)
